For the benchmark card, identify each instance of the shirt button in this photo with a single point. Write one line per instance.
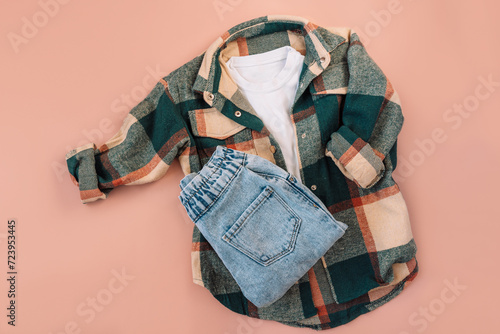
(313, 187)
(322, 59)
(292, 179)
(237, 113)
(210, 96)
(272, 148)
(303, 135)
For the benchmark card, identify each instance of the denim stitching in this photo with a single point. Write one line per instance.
(276, 257)
(295, 233)
(206, 179)
(269, 192)
(291, 243)
(290, 183)
(220, 194)
(304, 194)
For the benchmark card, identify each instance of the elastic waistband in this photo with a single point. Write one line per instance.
(200, 190)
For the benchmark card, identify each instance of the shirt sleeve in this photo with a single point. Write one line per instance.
(371, 119)
(152, 134)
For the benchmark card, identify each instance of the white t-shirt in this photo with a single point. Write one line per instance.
(269, 81)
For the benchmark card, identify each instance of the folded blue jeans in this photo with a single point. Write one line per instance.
(266, 227)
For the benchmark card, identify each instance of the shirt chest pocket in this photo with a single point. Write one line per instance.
(212, 123)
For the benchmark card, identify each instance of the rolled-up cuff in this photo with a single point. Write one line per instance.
(355, 158)
(82, 170)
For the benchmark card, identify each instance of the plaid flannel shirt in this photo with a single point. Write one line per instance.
(346, 117)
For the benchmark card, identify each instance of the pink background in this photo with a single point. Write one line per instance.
(63, 87)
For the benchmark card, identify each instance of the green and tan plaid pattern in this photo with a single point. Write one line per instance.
(346, 118)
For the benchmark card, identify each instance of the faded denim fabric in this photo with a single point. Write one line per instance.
(267, 228)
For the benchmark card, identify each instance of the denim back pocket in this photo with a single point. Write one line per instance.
(267, 230)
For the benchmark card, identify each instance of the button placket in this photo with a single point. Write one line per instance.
(209, 97)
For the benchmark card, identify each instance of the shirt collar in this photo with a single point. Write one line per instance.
(214, 82)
